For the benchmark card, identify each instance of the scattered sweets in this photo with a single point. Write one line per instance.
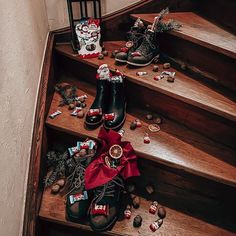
(121, 132)
(127, 212)
(155, 68)
(156, 225)
(80, 114)
(166, 65)
(71, 106)
(158, 77)
(76, 110)
(153, 207)
(161, 212)
(154, 128)
(158, 120)
(146, 138)
(81, 98)
(105, 53)
(61, 182)
(141, 73)
(149, 116)
(138, 123)
(83, 105)
(55, 188)
(137, 221)
(77, 103)
(133, 125)
(54, 114)
(100, 56)
(170, 79)
(150, 189)
(136, 202)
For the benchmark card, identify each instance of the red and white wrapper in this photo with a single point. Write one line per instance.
(100, 210)
(109, 117)
(95, 112)
(127, 214)
(154, 226)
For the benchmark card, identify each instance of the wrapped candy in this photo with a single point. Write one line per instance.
(95, 112)
(153, 208)
(156, 225)
(110, 116)
(146, 139)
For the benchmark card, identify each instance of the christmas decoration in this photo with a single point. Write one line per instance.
(87, 26)
(98, 172)
(134, 39)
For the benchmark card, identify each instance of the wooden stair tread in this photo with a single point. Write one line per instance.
(184, 88)
(53, 210)
(199, 30)
(174, 145)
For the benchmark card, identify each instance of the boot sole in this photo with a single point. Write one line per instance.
(118, 126)
(119, 60)
(146, 64)
(93, 125)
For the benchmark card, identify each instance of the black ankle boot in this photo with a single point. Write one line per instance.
(134, 36)
(94, 116)
(115, 114)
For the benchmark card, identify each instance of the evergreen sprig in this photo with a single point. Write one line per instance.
(68, 94)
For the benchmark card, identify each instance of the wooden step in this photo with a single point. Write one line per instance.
(191, 95)
(53, 210)
(202, 33)
(199, 30)
(222, 12)
(174, 146)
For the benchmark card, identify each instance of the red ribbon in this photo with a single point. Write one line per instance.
(98, 173)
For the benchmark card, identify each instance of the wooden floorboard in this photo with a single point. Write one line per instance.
(184, 88)
(174, 146)
(200, 31)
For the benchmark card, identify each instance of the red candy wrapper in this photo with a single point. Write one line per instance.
(100, 210)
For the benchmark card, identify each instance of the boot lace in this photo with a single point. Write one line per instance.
(76, 178)
(147, 47)
(108, 189)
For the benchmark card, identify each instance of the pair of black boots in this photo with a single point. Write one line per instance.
(109, 105)
(142, 46)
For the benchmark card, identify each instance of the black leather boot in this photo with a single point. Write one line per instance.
(94, 116)
(115, 113)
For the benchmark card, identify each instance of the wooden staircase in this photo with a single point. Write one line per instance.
(191, 162)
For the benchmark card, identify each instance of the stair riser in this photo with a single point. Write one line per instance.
(203, 62)
(221, 12)
(204, 122)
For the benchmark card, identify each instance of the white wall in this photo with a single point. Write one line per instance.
(58, 15)
(24, 28)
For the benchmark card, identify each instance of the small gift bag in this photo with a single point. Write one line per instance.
(88, 33)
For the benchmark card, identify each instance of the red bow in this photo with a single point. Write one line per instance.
(98, 173)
